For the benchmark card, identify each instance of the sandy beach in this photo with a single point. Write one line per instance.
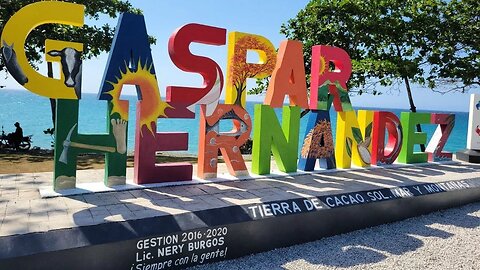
(40, 160)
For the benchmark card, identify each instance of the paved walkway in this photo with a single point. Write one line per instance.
(23, 211)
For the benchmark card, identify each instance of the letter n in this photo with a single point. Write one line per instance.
(353, 138)
(270, 137)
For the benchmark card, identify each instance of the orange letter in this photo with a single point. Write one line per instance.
(288, 77)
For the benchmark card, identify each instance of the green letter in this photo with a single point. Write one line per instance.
(411, 137)
(269, 136)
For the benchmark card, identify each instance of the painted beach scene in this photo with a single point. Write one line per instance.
(310, 134)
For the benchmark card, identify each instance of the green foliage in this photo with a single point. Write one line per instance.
(428, 42)
(349, 144)
(246, 148)
(51, 132)
(456, 57)
(262, 85)
(368, 130)
(357, 135)
(96, 39)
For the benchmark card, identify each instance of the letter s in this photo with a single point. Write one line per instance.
(178, 48)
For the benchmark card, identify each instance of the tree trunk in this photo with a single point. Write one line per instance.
(413, 108)
(238, 99)
(410, 97)
(53, 102)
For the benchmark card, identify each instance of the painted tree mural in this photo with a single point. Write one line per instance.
(241, 70)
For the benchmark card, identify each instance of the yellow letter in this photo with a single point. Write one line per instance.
(238, 70)
(353, 139)
(13, 40)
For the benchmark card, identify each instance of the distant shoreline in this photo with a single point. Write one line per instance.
(41, 160)
(258, 102)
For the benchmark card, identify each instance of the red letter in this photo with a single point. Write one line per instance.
(380, 153)
(335, 80)
(445, 122)
(178, 47)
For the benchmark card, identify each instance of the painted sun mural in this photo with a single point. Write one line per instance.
(152, 105)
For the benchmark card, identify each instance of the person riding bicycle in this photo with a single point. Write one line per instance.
(17, 136)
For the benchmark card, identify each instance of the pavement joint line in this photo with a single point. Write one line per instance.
(98, 187)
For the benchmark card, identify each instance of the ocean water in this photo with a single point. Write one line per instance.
(33, 113)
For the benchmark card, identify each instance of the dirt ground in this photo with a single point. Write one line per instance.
(42, 161)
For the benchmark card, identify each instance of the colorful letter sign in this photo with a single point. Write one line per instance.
(318, 142)
(354, 137)
(360, 140)
(69, 144)
(445, 122)
(179, 50)
(473, 135)
(288, 77)
(131, 63)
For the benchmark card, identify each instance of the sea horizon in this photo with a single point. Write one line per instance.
(34, 114)
(286, 102)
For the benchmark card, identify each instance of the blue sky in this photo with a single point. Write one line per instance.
(258, 17)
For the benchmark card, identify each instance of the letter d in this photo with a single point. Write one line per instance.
(308, 205)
